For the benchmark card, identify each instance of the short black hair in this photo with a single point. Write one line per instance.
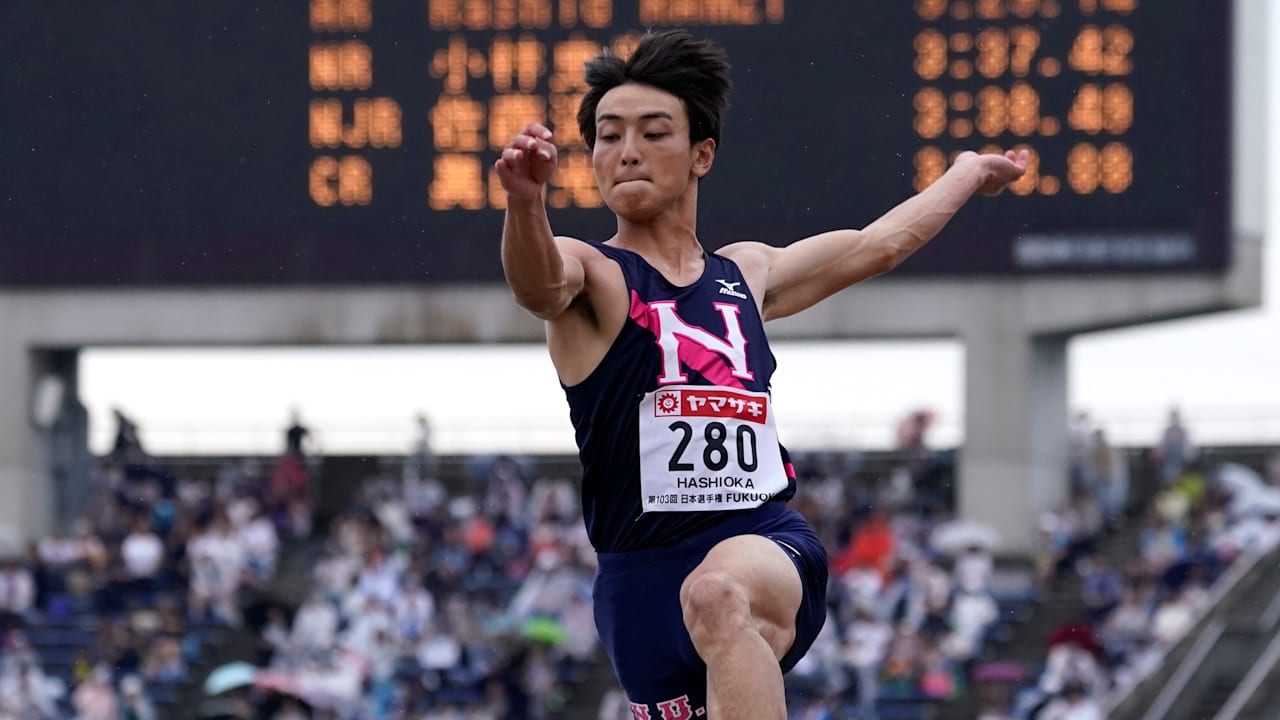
(696, 71)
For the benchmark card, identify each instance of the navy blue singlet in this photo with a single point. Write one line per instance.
(605, 407)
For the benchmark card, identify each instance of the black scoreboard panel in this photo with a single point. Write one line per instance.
(351, 141)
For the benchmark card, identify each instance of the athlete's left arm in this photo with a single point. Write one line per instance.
(810, 270)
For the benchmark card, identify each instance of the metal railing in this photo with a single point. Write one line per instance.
(1159, 688)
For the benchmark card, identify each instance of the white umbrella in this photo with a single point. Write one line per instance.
(1238, 479)
(958, 535)
(1262, 501)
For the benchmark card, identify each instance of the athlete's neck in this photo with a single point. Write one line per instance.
(668, 241)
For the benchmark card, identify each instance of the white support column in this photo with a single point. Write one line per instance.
(24, 493)
(1014, 462)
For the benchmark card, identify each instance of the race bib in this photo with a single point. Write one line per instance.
(708, 448)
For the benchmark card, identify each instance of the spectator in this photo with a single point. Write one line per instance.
(164, 663)
(289, 479)
(1073, 704)
(420, 463)
(866, 642)
(378, 580)
(1080, 437)
(58, 552)
(143, 555)
(972, 612)
(1126, 627)
(1102, 589)
(95, 699)
(261, 546)
(414, 609)
(315, 626)
(1175, 449)
(872, 546)
(17, 593)
(92, 553)
(973, 568)
(127, 448)
(1108, 478)
(134, 703)
(1173, 619)
(1071, 662)
(1162, 543)
(26, 693)
(296, 436)
(216, 555)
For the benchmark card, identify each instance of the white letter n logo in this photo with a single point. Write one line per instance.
(681, 341)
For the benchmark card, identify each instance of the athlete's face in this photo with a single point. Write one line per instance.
(643, 159)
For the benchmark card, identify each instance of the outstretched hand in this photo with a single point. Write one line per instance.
(997, 170)
(527, 162)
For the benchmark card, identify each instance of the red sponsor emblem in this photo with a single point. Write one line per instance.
(667, 403)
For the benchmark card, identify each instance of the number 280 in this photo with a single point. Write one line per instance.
(715, 456)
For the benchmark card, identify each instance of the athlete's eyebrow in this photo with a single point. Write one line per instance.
(659, 115)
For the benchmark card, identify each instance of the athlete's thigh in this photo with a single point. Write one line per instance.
(640, 622)
(771, 580)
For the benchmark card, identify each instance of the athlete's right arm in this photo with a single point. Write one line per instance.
(544, 279)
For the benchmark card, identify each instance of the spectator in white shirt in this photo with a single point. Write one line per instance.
(973, 568)
(1068, 662)
(380, 578)
(414, 609)
(971, 613)
(261, 546)
(865, 643)
(58, 552)
(17, 591)
(142, 552)
(1174, 618)
(217, 558)
(315, 625)
(26, 692)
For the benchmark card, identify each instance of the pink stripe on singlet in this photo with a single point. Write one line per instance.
(692, 355)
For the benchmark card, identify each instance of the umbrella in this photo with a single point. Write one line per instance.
(953, 537)
(544, 629)
(1238, 479)
(229, 677)
(1263, 501)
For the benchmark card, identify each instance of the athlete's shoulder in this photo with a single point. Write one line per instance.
(748, 253)
(577, 247)
(753, 259)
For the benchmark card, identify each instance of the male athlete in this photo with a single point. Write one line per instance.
(709, 588)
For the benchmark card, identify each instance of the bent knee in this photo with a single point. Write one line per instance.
(714, 604)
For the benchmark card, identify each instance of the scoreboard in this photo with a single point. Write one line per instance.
(352, 141)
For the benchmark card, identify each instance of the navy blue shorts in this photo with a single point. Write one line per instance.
(638, 615)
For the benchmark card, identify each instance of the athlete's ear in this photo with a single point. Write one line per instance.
(704, 155)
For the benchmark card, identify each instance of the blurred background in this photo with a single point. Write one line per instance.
(276, 443)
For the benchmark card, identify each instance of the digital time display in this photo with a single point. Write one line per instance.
(352, 141)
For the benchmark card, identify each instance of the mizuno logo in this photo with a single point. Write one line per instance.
(731, 289)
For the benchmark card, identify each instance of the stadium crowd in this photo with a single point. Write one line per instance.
(475, 604)
(105, 621)
(1201, 518)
